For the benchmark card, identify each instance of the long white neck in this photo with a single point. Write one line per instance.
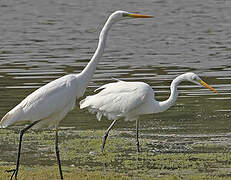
(164, 105)
(89, 70)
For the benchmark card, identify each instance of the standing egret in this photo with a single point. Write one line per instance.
(49, 104)
(131, 99)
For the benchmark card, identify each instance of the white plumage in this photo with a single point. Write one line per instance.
(131, 99)
(121, 99)
(50, 103)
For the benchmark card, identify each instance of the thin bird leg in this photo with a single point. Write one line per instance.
(137, 136)
(15, 171)
(106, 135)
(57, 153)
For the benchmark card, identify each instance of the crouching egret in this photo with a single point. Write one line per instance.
(49, 104)
(131, 99)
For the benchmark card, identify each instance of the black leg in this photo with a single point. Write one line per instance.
(106, 134)
(15, 171)
(137, 136)
(57, 153)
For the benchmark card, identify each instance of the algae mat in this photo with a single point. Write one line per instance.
(82, 159)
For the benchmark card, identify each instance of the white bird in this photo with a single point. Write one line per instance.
(49, 104)
(131, 99)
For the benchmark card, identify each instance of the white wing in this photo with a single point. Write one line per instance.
(118, 99)
(52, 98)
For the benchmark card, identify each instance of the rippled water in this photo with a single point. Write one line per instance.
(44, 40)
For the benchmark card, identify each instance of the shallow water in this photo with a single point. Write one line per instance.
(44, 40)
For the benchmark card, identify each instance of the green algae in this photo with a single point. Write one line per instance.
(81, 157)
(51, 172)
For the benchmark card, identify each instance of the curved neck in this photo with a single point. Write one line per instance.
(164, 105)
(89, 70)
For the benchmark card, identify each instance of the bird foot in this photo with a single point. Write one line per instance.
(11, 170)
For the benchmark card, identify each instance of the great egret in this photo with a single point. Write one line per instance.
(131, 99)
(49, 104)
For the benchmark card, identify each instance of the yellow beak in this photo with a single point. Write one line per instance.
(207, 86)
(139, 16)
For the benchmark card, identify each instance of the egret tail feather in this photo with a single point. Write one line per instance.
(4, 121)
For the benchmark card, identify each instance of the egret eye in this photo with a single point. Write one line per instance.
(125, 14)
(194, 78)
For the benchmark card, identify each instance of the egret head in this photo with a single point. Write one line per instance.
(194, 78)
(119, 15)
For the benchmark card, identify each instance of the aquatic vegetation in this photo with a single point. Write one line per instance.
(82, 158)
